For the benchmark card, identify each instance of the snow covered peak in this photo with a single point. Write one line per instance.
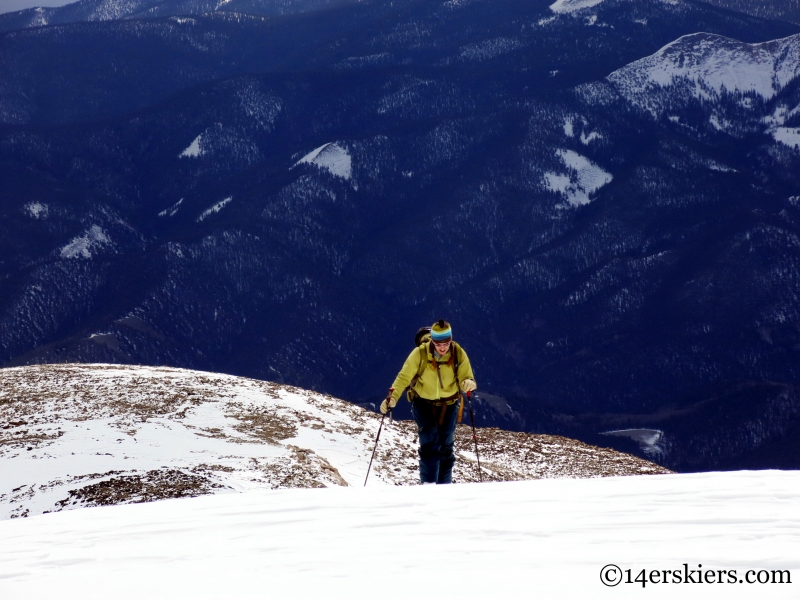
(709, 63)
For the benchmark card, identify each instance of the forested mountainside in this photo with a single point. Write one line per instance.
(111, 10)
(602, 197)
(785, 10)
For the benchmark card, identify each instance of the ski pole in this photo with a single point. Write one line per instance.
(377, 437)
(474, 437)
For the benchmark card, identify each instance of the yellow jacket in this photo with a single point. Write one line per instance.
(428, 385)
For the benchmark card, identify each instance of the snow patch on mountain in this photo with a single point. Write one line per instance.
(37, 210)
(39, 18)
(172, 210)
(706, 65)
(583, 178)
(651, 441)
(194, 149)
(587, 139)
(331, 157)
(459, 3)
(715, 166)
(780, 115)
(569, 6)
(787, 135)
(569, 130)
(110, 10)
(215, 209)
(84, 246)
(235, 143)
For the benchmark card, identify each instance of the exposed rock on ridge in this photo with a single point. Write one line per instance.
(81, 435)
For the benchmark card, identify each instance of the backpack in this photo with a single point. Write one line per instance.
(421, 341)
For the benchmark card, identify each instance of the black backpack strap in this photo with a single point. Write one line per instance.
(423, 362)
(456, 364)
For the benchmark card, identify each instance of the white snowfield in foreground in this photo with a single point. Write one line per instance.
(532, 539)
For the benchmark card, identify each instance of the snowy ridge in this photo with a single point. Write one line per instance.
(172, 210)
(707, 64)
(331, 157)
(89, 435)
(212, 209)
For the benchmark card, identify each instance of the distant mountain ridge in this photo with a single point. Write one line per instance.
(787, 10)
(110, 10)
(712, 64)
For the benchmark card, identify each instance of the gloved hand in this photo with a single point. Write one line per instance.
(469, 385)
(388, 404)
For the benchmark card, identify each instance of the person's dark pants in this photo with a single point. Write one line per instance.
(436, 441)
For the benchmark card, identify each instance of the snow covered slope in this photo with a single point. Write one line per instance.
(89, 435)
(703, 65)
(532, 539)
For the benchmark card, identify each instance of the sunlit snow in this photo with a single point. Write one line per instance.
(787, 135)
(547, 538)
(584, 178)
(331, 157)
(71, 425)
(587, 139)
(215, 209)
(83, 435)
(37, 210)
(650, 440)
(568, 6)
(172, 210)
(194, 150)
(710, 63)
(85, 245)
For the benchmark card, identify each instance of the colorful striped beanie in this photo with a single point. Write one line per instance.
(441, 332)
